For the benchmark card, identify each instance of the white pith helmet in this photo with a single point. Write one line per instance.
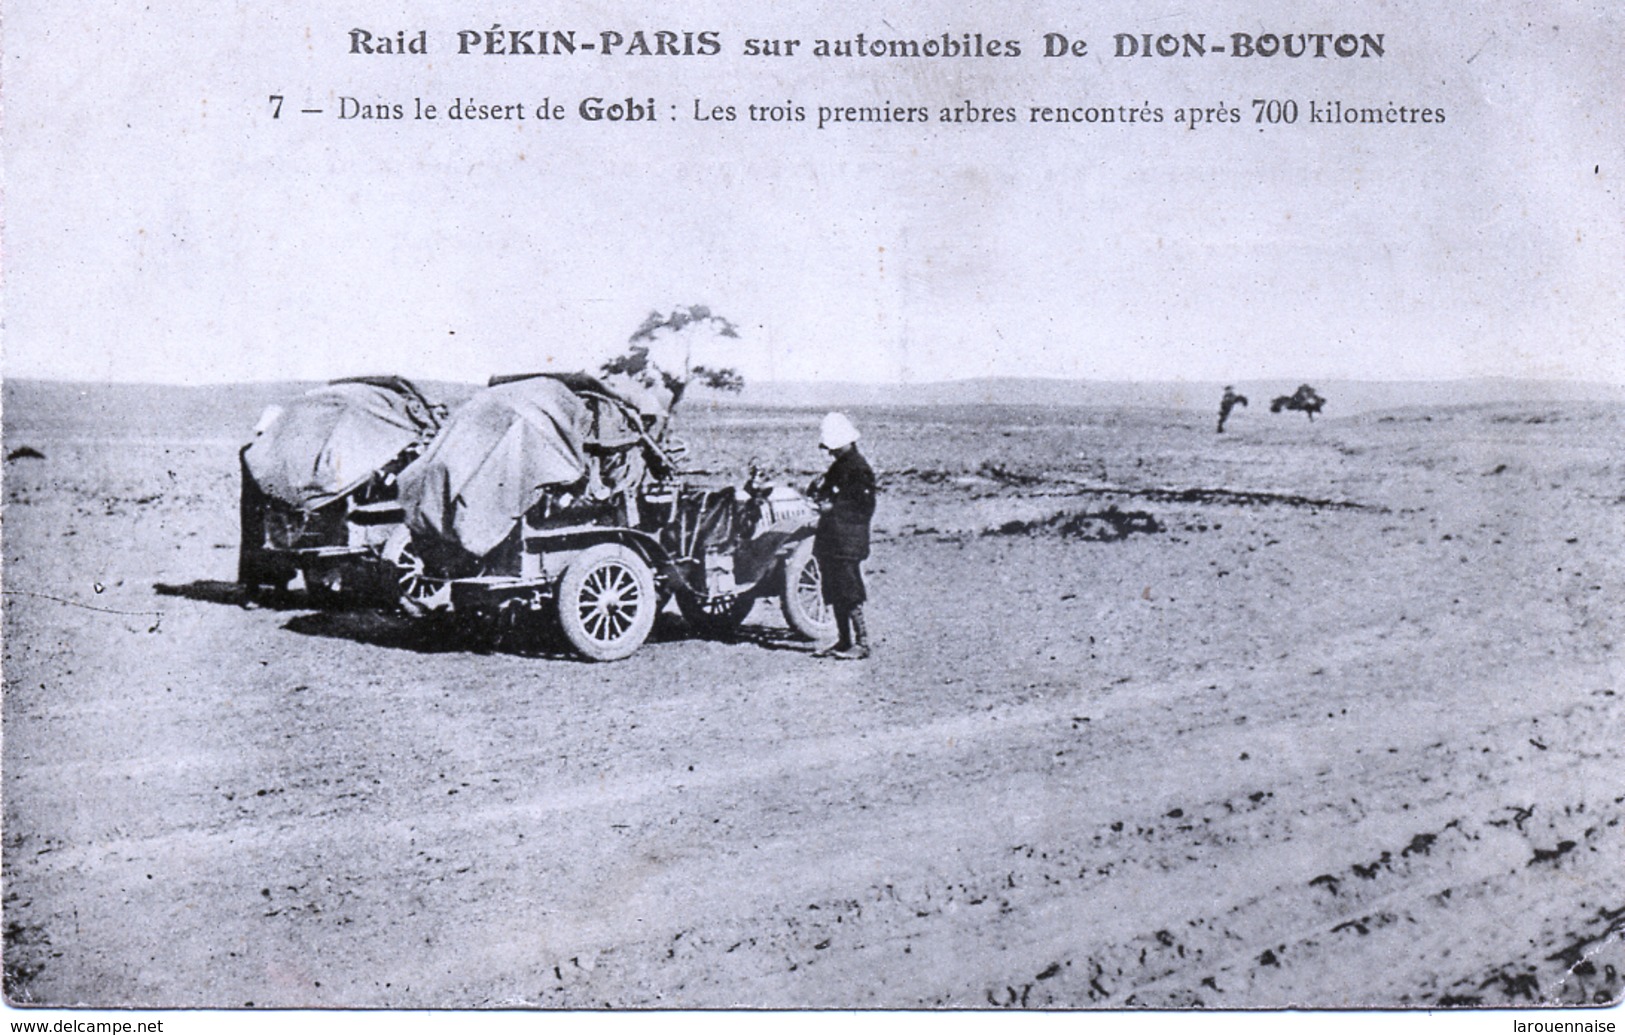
(836, 432)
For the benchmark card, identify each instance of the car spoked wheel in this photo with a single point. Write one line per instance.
(415, 592)
(717, 616)
(607, 602)
(418, 594)
(803, 602)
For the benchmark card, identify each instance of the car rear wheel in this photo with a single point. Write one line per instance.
(607, 602)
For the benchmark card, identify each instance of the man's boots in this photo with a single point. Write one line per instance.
(859, 647)
(843, 625)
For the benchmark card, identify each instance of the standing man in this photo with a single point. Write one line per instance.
(846, 499)
(1228, 403)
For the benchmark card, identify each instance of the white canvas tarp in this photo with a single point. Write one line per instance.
(492, 462)
(330, 440)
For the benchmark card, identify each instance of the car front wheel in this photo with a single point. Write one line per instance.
(803, 603)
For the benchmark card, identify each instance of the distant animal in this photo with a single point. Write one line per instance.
(1230, 401)
(1306, 399)
(25, 453)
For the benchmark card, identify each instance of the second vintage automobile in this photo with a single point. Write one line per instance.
(558, 498)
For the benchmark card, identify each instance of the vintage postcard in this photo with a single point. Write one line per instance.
(814, 507)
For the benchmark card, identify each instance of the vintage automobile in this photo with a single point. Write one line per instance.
(319, 491)
(557, 499)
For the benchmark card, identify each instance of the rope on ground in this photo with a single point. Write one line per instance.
(75, 603)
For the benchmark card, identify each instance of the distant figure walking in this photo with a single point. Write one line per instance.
(1230, 401)
(846, 498)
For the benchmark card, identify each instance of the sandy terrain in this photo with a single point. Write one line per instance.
(1333, 718)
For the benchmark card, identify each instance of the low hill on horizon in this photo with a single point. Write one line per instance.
(1344, 397)
(189, 409)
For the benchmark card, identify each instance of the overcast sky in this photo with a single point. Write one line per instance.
(161, 226)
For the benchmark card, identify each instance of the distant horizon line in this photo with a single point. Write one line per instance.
(801, 383)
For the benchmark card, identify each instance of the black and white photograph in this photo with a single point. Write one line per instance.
(820, 507)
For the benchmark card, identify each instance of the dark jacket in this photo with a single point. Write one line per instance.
(848, 491)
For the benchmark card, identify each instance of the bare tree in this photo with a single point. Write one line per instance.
(663, 347)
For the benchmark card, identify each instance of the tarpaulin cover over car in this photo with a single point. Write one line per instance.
(330, 440)
(492, 462)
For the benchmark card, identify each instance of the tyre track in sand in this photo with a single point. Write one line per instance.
(985, 886)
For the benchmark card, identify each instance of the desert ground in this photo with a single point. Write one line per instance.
(1321, 714)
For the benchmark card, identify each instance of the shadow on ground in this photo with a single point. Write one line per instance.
(392, 631)
(214, 591)
(542, 639)
(444, 635)
(772, 638)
